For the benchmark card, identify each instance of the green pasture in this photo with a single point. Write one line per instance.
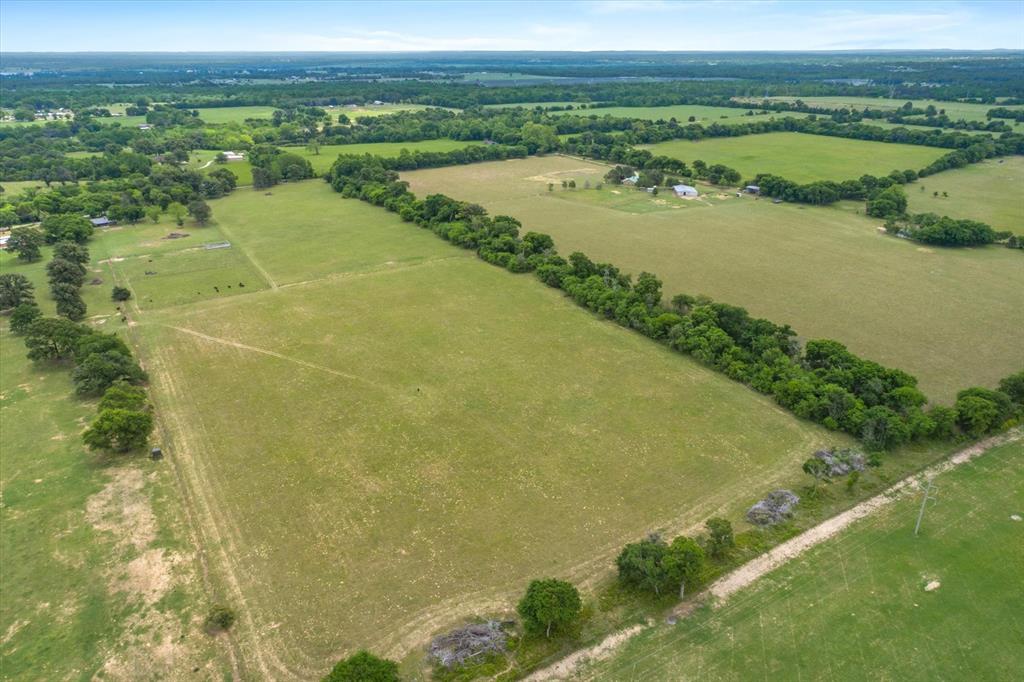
(373, 110)
(830, 273)
(703, 115)
(204, 160)
(969, 111)
(988, 191)
(439, 431)
(800, 157)
(543, 105)
(859, 605)
(329, 152)
(218, 115)
(96, 573)
(12, 187)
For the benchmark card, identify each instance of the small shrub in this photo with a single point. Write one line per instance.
(120, 294)
(220, 618)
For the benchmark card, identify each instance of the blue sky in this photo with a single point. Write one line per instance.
(225, 25)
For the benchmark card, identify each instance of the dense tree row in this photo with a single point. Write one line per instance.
(823, 381)
(127, 199)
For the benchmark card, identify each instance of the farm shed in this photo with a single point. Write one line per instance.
(685, 191)
(752, 189)
(102, 221)
(234, 156)
(632, 179)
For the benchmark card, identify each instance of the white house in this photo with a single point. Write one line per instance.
(685, 191)
(234, 156)
(632, 179)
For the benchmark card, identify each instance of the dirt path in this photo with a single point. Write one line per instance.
(729, 584)
(749, 572)
(273, 354)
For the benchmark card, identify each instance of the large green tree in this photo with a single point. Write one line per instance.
(15, 289)
(684, 562)
(363, 666)
(548, 605)
(27, 243)
(53, 338)
(98, 372)
(119, 430)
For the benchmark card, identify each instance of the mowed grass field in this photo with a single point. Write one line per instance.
(329, 152)
(682, 112)
(98, 578)
(857, 607)
(234, 114)
(800, 157)
(827, 272)
(969, 111)
(386, 435)
(988, 191)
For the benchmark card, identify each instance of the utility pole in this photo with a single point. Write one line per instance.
(930, 493)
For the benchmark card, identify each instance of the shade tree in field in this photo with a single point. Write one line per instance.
(118, 430)
(27, 243)
(720, 537)
(23, 316)
(120, 294)
(549, 605)
(15, 289)
(98, 371)
(71, 251)
(66, 227)
(200, 211)
(363, 666)
(178, 211)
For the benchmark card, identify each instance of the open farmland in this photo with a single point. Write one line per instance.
(988, 191)
(99, 576)
(402, 400)
(969, 111)
(875, 602)
(827, 272)
(801, 157)
(328, 153)
(372, 110)
(703, 115)
(234, 114)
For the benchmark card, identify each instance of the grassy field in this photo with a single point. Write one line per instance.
(826, 271)
(955, 110)
(799, 157)
(12, 187)
(439, 430)
(681, 112)
(329, 152)
(372, 110)
(988, 191)
(98, 577)
(857, 606)
(234, 114)
(533, 105)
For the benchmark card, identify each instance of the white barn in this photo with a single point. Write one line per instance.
(685, 191)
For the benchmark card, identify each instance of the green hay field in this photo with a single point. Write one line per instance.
(682, 112)
(800, 157)
(387, 435)
(856, 607)
(234, 114)
(827, 272)
(329, 152)
(988, 191)
(955, 110)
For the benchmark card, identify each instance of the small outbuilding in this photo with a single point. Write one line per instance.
(685, 190)
(752, 189)
(632, 179)
(144, 126)
(234, 156)
(102, 221)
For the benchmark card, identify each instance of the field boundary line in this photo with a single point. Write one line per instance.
(756, 568)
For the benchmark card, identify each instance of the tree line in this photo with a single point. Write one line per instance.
(821, 381)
